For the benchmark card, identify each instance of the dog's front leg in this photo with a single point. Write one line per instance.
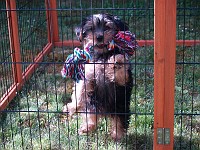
(90, 119)
(80, 96)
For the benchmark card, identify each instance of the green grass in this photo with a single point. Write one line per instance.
(34, 119)
(39, 121)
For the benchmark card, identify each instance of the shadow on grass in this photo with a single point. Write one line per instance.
(138, 142)
(145, 142)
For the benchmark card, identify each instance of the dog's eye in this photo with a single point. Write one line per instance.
(107, 28)
(89, 29)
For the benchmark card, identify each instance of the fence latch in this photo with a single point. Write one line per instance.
(163, 135)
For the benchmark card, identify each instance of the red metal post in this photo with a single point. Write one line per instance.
(14, 40)
(52, 21)
(164, 72)
(15, 54)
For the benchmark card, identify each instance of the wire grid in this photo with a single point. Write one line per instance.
(139, 16)
(6, 77)
(34, 119)
(187, 110)
(32, 26)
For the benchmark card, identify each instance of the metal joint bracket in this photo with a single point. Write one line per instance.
(163, 136)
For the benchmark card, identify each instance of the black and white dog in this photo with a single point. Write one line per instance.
(106, 89)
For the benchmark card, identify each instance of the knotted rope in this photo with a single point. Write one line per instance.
(74, 65)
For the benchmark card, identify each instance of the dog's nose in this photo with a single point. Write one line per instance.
(99, 38)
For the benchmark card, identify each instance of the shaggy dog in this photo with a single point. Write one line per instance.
(106, 88)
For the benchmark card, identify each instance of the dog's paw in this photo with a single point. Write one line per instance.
(117, 136)
(69, 110)
(86, 128)
(65, 110)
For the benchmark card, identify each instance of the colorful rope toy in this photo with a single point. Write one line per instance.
(126, 42)
(74, 65)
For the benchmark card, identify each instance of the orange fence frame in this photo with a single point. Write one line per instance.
(164, 70)
(52, 21)
(21, 77)
(16, 56)
(140, 43)
(164, 59)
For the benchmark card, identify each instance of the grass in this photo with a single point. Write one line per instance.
(34, 119)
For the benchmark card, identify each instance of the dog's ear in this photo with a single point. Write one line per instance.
(122, 26)
(78, 32)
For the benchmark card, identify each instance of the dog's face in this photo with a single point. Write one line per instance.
(99, 29)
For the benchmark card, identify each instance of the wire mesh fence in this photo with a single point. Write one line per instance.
(32, 26)
(34, 119)
(187, 77)
(5, 54)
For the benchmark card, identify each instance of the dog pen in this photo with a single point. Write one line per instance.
(36, 35)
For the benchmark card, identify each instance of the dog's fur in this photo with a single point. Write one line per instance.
(106, 90)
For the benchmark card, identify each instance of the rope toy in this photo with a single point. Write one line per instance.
(126, 42)
(74, 65)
